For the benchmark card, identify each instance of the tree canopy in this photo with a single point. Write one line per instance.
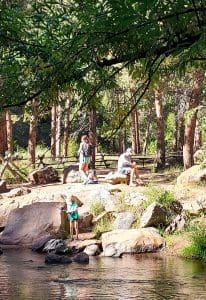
(48, 45)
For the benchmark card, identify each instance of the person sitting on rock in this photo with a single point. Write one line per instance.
(127, 167)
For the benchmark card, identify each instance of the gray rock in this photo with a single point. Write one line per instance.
(55, 246)
(154, 215)
(92, 250)
(103, 196)
(124, 220)
(82, 258)
(57, 259)
(39, 244)
(44, 175)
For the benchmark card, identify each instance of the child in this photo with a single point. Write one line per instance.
(92, 178)
(73, 216)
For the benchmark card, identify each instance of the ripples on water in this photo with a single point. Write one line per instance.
(23, 275)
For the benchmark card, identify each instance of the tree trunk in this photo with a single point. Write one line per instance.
(9, 131)
(181, 130)
(66, 128)
(147, 132)
(191, 122)
(3, 134)
(58, 131)
(175, 132)
(32, 134)
(160, 155)
(135, 131)
(93, 135)
(53, 131)
(198, 136)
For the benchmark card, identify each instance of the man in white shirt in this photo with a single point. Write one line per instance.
(127, 167)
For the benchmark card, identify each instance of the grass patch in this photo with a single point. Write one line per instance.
(197, 248)
(96, 208)
(103, 225)
(159, 195)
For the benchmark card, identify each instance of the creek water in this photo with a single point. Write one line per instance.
(24, 275)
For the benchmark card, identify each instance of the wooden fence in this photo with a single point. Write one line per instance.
(19, 166)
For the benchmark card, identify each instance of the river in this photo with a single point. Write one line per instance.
(23, 275)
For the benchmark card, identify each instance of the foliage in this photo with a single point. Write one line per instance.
(103, 225)
(72, 147)
(96, 208)
(197, 248)
(159, 195)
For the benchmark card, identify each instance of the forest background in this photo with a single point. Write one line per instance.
(123, 72)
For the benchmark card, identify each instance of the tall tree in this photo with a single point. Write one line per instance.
(66, 127)
(3, 134)
(9, 131)
(160, 153)
(191, 118)
(53, 130)
(32, 134)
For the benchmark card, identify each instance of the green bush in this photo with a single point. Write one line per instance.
(96, 208)
(159, 195)
(197, 248)
(104, 225)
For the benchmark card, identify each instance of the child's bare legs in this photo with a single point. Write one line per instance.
(71, 227)
(76, 229)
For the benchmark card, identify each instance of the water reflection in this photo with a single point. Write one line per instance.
(23, 275)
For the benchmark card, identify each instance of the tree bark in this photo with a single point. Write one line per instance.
(135, 131)
(175, 132)
(160, 154)
(32, 134)
(93, 135)
(58, 131)
(53, 131)
(191, 122)
(9, 131)
(66, 128)
(147, 132)
(3, 134)
(198, 136)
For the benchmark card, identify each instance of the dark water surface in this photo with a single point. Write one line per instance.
(23, 275)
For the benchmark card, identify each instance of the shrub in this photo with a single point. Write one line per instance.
(197, 248)
(104, 225)
(96, 208)
(159, 195)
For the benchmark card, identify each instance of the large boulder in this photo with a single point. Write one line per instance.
(30, 223)
(104, 197)
(194, 174)
(195, 207)
(116, 178)
(118, 242)
(5, 208)
(44, 175)
(155, 214)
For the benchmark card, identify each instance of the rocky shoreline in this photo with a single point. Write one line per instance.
(130, 221)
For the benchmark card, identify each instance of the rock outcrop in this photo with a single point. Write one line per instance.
(30, 223)
(44, 175)
(118, 242)
(154, 215)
